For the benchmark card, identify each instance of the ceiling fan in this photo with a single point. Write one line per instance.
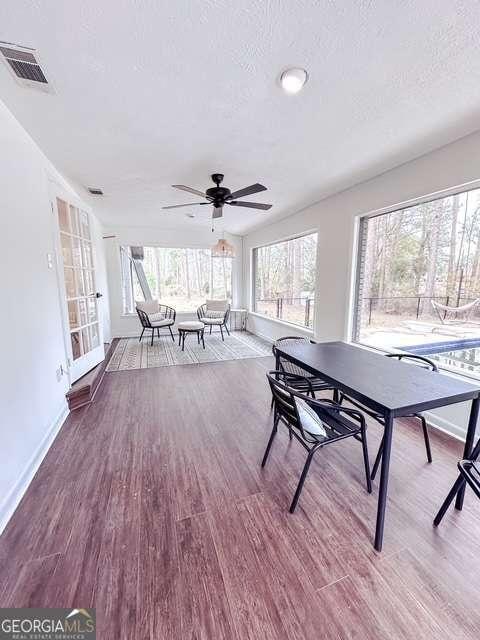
(219, 196)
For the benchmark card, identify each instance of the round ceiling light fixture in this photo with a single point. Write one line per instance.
(293, 80)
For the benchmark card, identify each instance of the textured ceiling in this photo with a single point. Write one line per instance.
(152, 93)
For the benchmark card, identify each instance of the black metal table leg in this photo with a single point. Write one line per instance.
(382, 492)
(469, 440)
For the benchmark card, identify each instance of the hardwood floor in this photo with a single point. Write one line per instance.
(151, 506)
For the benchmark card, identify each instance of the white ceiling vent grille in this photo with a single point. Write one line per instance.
(24, 65)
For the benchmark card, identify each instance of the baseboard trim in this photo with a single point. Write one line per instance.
(11, 502)
(445, 426)
(261, 335)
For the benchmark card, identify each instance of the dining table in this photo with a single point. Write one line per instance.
(389, 387)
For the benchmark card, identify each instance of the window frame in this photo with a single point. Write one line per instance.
(158, 245)
(357, 250)
(253, 273)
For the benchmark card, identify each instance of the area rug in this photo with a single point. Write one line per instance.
(132, 354)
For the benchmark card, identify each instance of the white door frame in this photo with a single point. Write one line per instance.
(75, 369)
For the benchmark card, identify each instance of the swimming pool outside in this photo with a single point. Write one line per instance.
(460, 356)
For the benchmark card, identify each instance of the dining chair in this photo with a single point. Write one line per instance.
(470, 470)
(313, 423)
(469, 474)
(314, 383)
(417, 361)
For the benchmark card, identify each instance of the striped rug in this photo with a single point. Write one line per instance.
(132, 354)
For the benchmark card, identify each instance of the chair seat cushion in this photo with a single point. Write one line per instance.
(214, 314)
(162, 323)
(206, 320)
(324, 424)
(156, 317)
(310, 420)
(192, 325)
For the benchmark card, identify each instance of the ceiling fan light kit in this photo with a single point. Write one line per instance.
(219, 196)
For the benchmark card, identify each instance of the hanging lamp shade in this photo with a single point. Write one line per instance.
(223, 249)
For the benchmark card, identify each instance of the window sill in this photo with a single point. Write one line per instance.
(283, 323)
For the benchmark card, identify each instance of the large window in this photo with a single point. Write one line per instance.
(284, 280)
(181, 278)
(418, 284)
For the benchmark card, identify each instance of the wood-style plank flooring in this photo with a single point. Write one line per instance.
(152, 507)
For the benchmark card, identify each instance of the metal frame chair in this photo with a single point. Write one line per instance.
(470, 470)
(313, 423)
(470, 474)
(169, 314)
(420, 361)
(202, 310)
(314, 383)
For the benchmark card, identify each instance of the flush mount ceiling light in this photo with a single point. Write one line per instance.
(293, 80)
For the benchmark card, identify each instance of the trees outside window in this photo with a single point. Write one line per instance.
(284, 280)
(182, 278)
(411, 257)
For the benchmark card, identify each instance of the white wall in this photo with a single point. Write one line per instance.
(32, 400)
(335, 220)
(100, 263)
(198, 237)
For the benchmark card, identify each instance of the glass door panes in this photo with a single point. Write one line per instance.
(79, 278)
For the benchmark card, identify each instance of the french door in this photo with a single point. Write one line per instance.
(79, 296)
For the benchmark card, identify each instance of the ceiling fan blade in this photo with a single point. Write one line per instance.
(250, 205)
(217, 212)
(247, 191)
(189, 189)
(188, 204)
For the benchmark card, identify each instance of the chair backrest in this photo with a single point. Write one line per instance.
(285, 364)
(168, 312)
(413, 358)
(284, 400)
(144, 319)
(217, 305)
(149, 306)
(296, 410)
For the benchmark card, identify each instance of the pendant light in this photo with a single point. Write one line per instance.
(223, 249)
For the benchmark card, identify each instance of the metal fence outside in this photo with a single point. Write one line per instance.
(415, 306)
(295, 310)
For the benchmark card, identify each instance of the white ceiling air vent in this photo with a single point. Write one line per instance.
(24, 65)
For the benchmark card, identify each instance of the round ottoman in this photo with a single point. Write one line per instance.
(190, 327)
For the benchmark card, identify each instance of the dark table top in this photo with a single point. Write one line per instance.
(384, 384)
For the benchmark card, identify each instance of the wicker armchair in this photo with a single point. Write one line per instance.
(150, 319)
(215, 313)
